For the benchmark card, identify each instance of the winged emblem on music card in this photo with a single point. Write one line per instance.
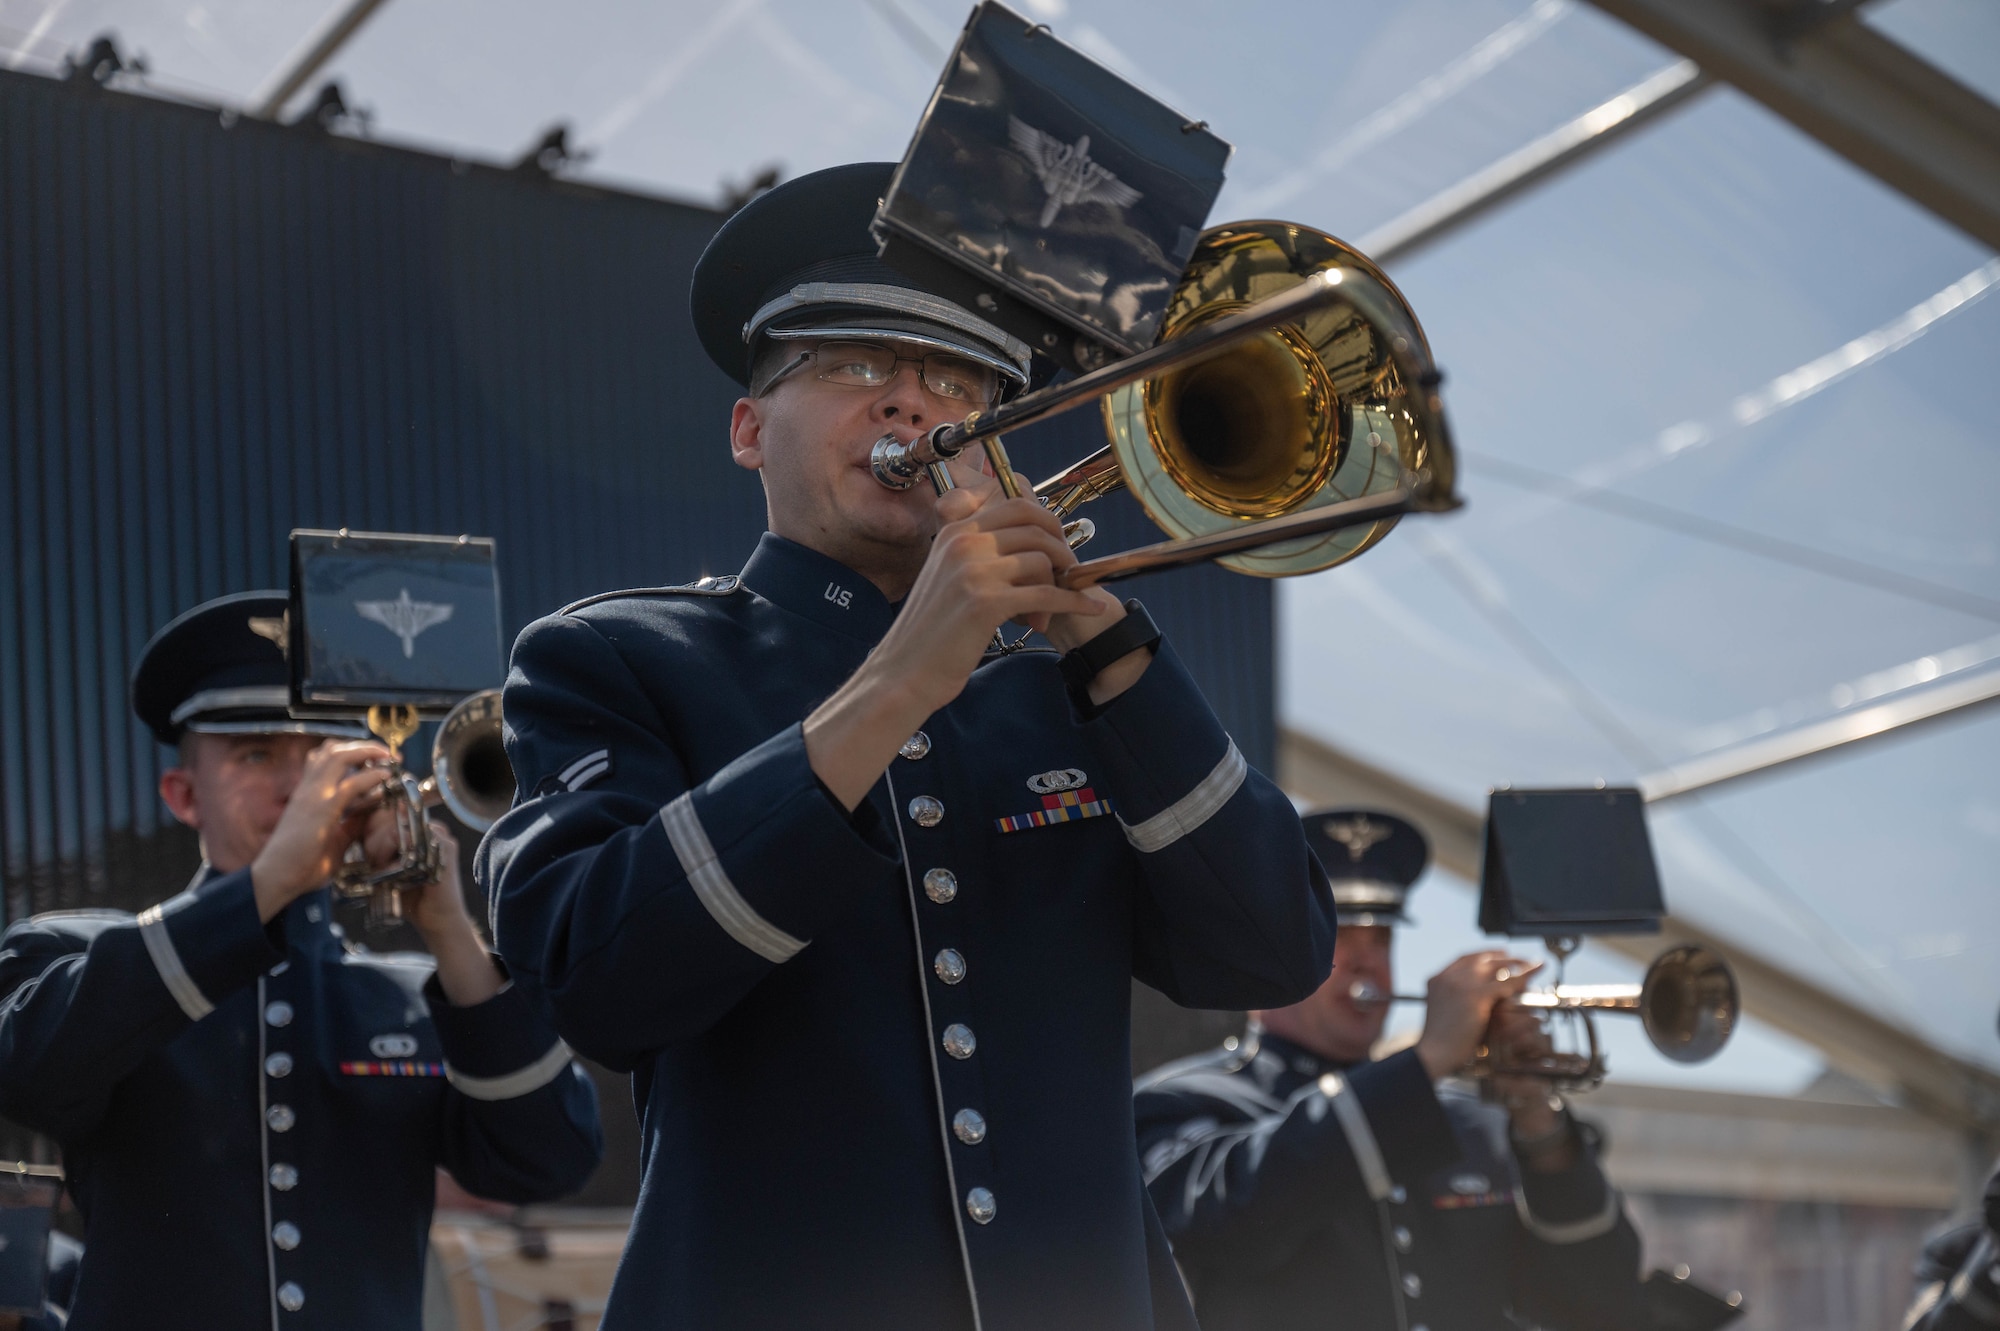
(404, 617)
(1067, 173)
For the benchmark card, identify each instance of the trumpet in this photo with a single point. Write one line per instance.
(1688, 1005)
(1286, 418)
(470, 776)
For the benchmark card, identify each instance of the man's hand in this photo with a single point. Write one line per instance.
(994, 560)
(1535, 1117)
(436, 910)
(1462, 998)
(341, 783)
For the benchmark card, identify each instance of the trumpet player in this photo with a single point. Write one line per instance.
(1297, 1177)
(250, 1113)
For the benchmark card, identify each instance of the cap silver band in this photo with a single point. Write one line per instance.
(1367, 892)
(274, 696)
(959, 348)
(896, 300)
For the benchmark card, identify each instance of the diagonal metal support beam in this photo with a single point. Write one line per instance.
(1962, 1095)
(1891, 714)
(1896, 116)
(1488, 188)
(319, 46)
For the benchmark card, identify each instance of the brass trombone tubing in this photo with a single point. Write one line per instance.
(1323, 288)
(1195, 549)
(1373, 299)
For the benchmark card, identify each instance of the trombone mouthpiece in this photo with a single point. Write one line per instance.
(1367, 993)
(899, 465)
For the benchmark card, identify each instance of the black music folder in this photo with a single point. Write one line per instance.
(1050, 195)
(1568, 862)
(379, 618)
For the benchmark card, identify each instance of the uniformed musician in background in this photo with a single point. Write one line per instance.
(250, 1113)
(1305, 1186)
(858, 902)
(1958, 1274)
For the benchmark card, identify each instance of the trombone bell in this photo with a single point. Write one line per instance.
(1299, 417)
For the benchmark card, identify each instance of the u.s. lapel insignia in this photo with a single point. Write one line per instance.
(1065, 799)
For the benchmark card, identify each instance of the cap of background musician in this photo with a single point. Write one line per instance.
(799, 261)
(1371, 860)
(219, 669)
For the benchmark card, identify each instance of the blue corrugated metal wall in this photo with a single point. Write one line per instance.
(212, 332)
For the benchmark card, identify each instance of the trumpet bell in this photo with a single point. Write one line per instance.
(469, 762)
(1306, 415)
(1689, 1003)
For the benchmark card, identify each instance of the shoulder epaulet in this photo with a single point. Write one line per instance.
(722, 586)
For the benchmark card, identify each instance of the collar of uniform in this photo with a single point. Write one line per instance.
(309, 921)
(817, 588)
(1296, 1060)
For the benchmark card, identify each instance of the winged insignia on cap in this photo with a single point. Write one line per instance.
(405, 618)
(1357, 834)
(275, 628)
(1067, 174)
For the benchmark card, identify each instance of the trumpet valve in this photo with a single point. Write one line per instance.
(1077, 531)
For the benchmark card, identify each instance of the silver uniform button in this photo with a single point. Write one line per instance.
(284, 1177)
(290, 1297)
(278, 1065)
(979, 1204)
(278, 1013)
(949, 965)
(1413, 1284)
(1402, 1234)
(1399, 1194)
(926, 811)
(1420, 1327)
(940, 885)
(280, 1117)
(959, 1041)
(969, 1126)
(915, 747)
(285, 1234)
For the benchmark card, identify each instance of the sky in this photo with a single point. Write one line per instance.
(1718, 319)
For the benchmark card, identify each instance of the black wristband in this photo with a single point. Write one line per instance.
(1128, 635)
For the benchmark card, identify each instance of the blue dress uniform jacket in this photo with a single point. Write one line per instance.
(1304, 1194)
(251, 1115)
(881, 1059)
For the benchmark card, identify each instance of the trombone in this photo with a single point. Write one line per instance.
(1287, 417)
(1687, 1003)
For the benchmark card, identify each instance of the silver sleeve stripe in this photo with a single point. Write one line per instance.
(1360, 1137)
(568, 775)
(588, 775)
(705, 875)
(160, 946)
(1571, 1231)
(514, 1084)
(1191, 810)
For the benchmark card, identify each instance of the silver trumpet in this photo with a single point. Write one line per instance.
(470, 776)
(1688, 1004)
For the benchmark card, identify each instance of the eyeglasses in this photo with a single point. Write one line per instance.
(873, 365)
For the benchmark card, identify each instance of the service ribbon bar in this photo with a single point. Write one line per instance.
(397, 1069)
(1067, 807)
